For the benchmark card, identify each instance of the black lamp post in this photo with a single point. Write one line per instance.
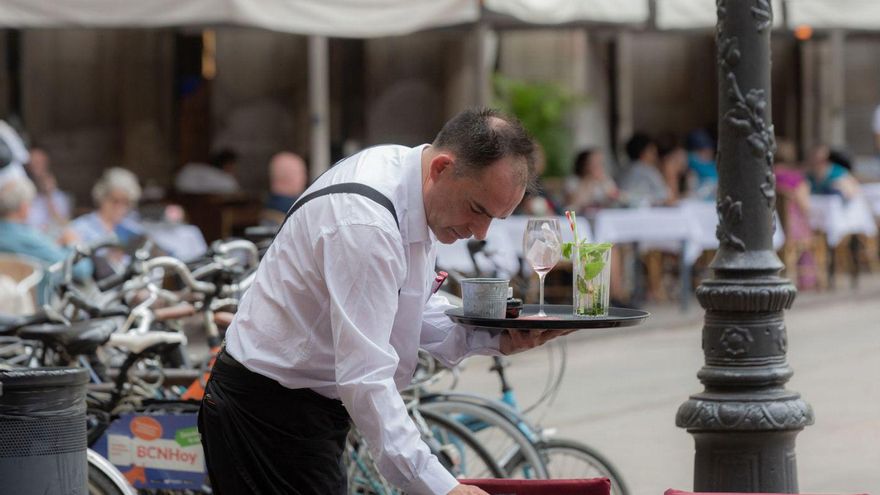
(745, 422)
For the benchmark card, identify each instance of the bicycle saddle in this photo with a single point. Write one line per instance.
(9, 324)
(139, 342)
(80, 337)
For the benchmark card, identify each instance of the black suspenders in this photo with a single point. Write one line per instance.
(345, 187)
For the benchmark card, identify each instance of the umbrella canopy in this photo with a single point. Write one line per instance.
(567, 11)
(376, 18)
(337, 18)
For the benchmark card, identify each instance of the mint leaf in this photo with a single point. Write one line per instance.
(566, 249)
(591, 270)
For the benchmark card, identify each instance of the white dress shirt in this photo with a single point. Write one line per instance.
(342, 302)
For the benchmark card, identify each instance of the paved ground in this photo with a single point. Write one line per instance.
(623, 388)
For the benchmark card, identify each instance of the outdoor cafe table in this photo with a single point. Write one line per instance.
(663, 228)
(837, 218)
(705, 215)
(871, 191)
(687, 229)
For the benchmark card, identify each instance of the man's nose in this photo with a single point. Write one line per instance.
(480, 227)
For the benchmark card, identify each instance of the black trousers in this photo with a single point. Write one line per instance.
(262, 438)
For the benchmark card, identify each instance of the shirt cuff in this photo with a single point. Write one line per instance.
(434, 480)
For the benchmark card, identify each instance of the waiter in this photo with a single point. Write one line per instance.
(330, 330)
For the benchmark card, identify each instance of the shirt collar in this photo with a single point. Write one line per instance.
(416, 221)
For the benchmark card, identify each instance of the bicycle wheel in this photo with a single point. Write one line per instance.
(566, 459)
(457, 448)
(500, 436)
(104, 478)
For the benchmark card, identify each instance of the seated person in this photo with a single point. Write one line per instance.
(115, 194)
(827, 177)
(50, 210)
(673, 166)
(218, 177)
(643, 183)
(594, 189)
(794, 192)
(17, 237)
(701, 163)
(287, 180)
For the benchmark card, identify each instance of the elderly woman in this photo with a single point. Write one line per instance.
(17, 237)
(115, 193)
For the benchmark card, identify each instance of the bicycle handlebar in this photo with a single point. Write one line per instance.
(226, 247)
(180, 268)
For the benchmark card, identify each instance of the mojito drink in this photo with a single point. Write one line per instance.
(591, 277)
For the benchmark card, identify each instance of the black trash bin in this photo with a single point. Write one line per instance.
(43, 431)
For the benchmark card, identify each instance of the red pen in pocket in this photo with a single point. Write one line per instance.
(438, 281)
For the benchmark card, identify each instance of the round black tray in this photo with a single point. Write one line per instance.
(559, 317)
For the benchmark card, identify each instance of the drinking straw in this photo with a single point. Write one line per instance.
(570, 215)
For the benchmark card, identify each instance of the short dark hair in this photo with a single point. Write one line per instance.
(699, 139)
(637, 145)
(666, 144)
(480, 137)
(221, 158)
(582, 160)
(840, 157)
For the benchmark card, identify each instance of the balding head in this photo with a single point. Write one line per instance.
(478, 138)
(287, 174)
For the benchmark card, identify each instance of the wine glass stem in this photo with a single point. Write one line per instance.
(541, 294)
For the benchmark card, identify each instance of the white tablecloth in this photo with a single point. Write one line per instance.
(661, 228)
(837, 218)
(706, 217)
(871, 192)
(692, 222)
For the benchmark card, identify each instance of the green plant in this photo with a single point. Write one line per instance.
(543, 109)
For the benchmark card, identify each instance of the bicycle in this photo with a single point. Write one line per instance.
(558, 457)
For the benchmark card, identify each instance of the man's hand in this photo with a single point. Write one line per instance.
(466, 490)
(513, 341)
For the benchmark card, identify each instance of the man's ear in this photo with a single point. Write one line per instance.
(442, 163)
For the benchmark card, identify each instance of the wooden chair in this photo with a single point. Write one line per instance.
(588, 486)
(23, 275)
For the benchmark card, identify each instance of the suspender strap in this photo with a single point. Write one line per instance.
(345, 187)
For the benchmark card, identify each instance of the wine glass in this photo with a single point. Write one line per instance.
(542, 249)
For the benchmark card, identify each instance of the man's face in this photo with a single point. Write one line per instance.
(458, 207)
